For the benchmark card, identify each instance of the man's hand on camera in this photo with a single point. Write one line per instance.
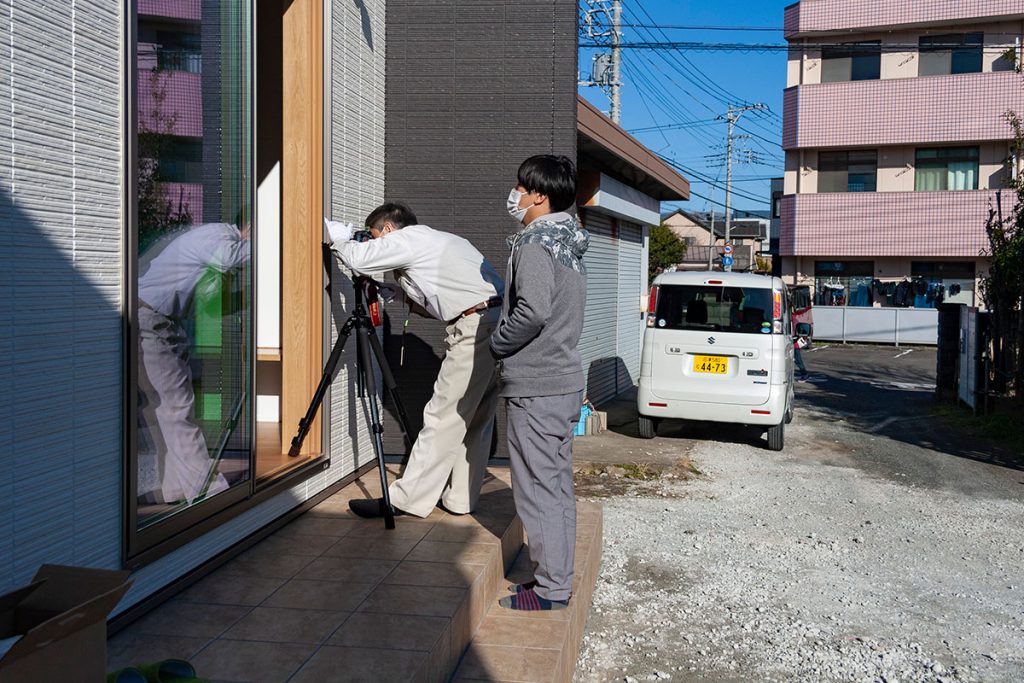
(339, 231)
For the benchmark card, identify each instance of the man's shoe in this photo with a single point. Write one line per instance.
(371, 509)
(450, 512)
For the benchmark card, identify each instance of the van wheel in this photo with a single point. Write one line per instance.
(789, 415)
(775, 437)
(648, 427)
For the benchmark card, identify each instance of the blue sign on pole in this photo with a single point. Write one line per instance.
(727, 260)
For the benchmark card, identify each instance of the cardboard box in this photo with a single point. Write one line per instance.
(55, 628)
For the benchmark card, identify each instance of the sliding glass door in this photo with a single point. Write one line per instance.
(191, 136)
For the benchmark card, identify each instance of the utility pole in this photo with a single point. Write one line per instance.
(732, 116)
(601, 22)
(616, 112)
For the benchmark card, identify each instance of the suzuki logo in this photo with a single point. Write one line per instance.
(711, 340)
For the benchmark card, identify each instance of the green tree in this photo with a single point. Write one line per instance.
(664, 249)
(1003, 288)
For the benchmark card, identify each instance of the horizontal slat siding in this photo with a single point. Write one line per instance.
(631, 283)
(60, 287)
(357, 187)
(598, 341)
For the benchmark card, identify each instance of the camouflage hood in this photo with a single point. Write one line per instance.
(561, 234)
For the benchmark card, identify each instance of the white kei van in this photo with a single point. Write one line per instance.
(718, 347)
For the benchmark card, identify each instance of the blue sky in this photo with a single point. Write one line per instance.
(672, 87)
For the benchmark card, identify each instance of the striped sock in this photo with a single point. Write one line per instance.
(527, 600)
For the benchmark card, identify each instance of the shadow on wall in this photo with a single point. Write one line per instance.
(607, 378)
(364, 18)
(60, 387)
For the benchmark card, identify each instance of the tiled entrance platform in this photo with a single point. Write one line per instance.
(331, 597)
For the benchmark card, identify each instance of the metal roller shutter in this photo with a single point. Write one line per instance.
(632, 281)
(598, 347)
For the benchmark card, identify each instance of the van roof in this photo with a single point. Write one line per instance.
(691, 277)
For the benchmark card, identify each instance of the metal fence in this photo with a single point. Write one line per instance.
(877, 325)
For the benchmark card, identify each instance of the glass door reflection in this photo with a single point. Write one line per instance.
(194, 302)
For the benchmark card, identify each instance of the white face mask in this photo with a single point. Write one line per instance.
(513, 207)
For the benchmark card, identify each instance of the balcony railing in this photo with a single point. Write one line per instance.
(810, 16)
(929, 109)
(887, 223)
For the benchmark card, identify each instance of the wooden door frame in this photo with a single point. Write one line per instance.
(302, 201)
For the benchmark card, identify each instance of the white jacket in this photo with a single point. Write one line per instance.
(441, 272)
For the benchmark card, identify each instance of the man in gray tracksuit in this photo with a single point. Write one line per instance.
(540, 374)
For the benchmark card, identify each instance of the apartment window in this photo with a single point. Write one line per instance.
(955, 277)
(951, 53)
(843, 283)
(852, 62)
(946, 168)
(850, 171)
(776, 204)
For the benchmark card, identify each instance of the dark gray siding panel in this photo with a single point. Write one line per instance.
(473, 88)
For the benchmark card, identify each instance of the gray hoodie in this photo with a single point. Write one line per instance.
(542, 315)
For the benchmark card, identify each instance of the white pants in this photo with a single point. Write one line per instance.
(450, 455)
(167, 410)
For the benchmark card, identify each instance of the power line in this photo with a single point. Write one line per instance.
(705, 178)
(683, 27)
(779, 47)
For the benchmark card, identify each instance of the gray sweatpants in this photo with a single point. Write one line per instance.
(540, 431)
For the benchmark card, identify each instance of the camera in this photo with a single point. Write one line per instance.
(361, 236)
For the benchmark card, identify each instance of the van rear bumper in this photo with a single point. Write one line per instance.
(769, 413)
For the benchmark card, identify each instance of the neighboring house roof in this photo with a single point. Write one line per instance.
(741, 228)
(604, 145)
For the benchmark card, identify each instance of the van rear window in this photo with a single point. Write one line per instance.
(723, 309)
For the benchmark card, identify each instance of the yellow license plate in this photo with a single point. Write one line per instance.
(712, 365)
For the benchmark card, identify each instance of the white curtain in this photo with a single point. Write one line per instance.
(929, 179)
(963, 175)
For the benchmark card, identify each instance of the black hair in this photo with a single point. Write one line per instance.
(554, 176)
(397, 214)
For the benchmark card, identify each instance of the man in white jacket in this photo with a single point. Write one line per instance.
(445, 275)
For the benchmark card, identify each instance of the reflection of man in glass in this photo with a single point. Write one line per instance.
(169, 271)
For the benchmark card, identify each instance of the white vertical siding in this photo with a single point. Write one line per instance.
(60, 286)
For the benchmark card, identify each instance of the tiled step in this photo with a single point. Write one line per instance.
(335, 598)
(535, 647)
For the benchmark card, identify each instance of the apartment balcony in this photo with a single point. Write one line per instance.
(823, 16)
(183, 10)
(170, 102)
(887, 223)
(929, 109)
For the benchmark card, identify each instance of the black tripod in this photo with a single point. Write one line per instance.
(366, 383)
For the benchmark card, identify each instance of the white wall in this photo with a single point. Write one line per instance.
(60, 286)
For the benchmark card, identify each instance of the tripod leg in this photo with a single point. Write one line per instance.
(321, 389)
(364, 331)
(392, 387)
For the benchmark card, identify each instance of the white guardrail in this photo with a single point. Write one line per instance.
(876, 325)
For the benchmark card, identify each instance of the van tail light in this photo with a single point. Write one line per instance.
(777, 312)
(652, 305)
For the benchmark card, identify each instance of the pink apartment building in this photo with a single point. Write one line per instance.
(895, 145)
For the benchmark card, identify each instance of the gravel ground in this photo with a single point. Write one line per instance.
(801, 566)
